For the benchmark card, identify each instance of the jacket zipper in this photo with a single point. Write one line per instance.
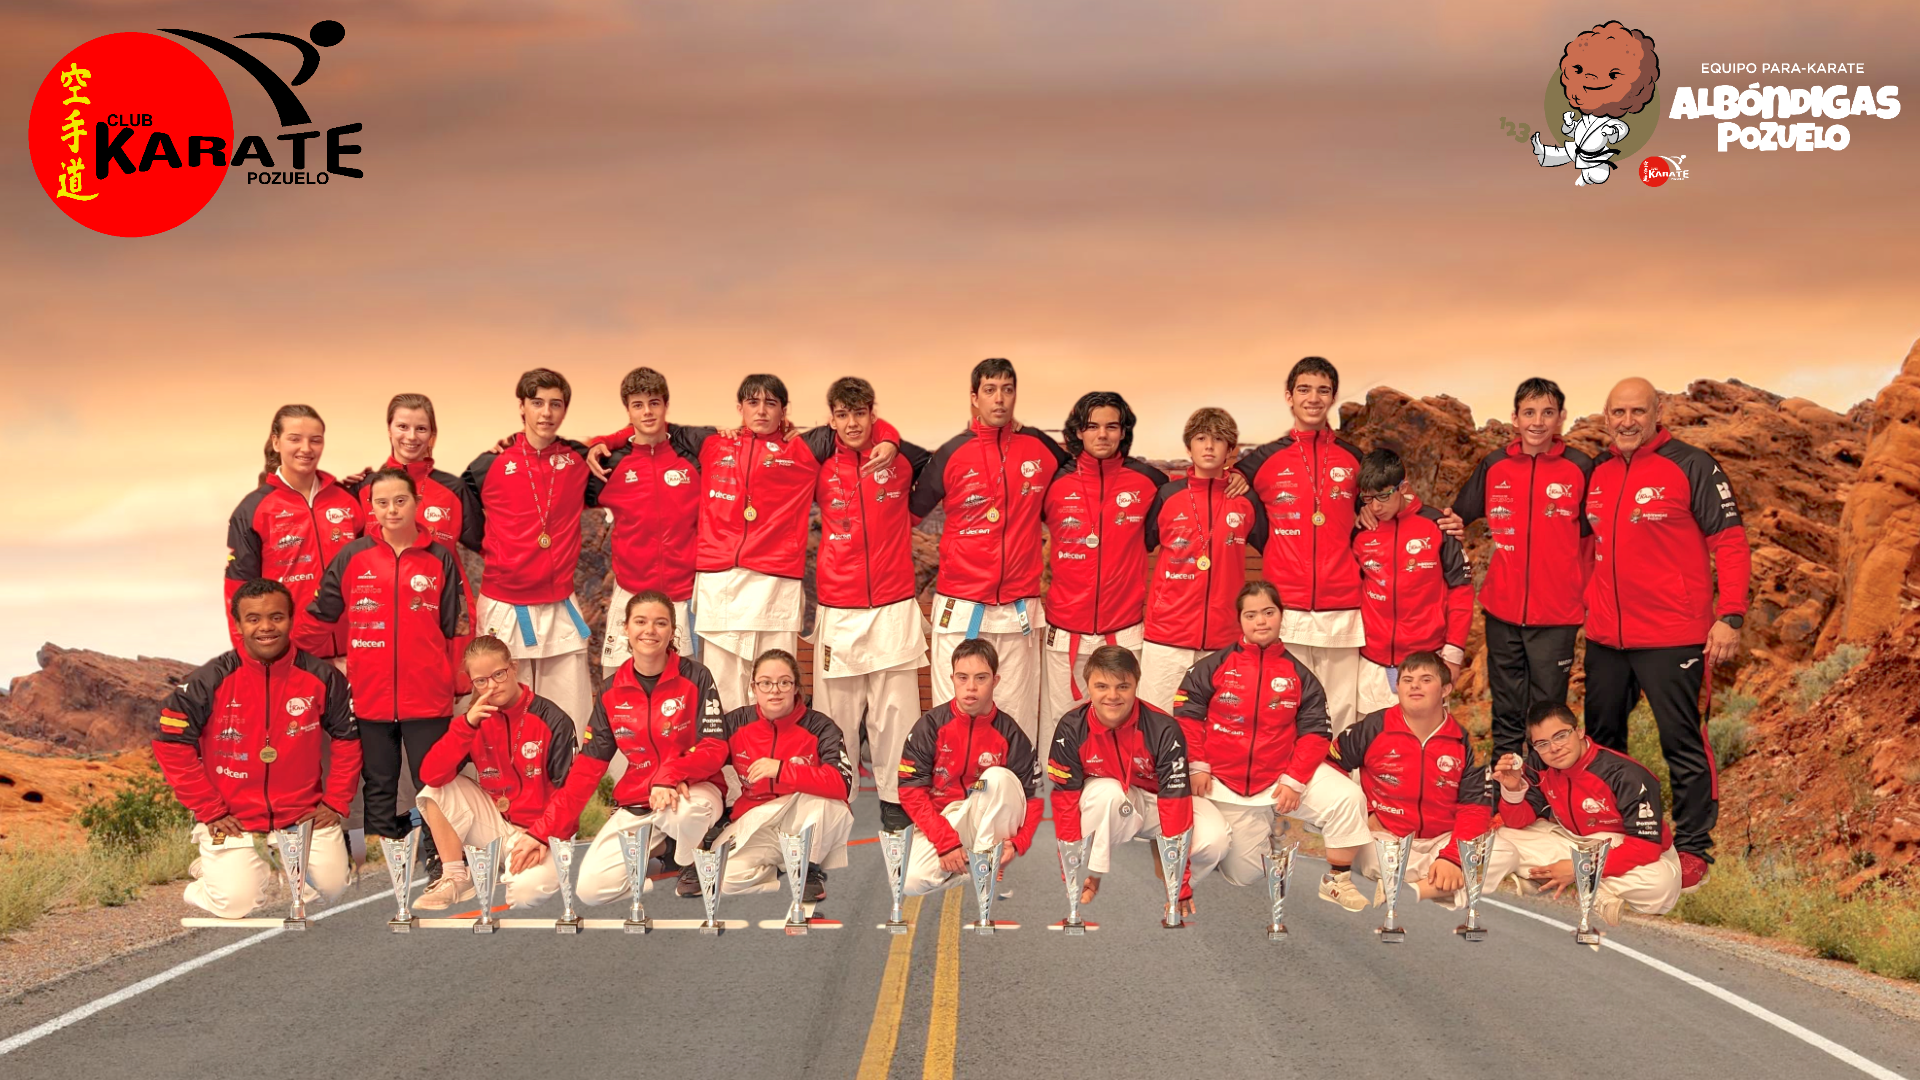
(1206, 582)
(1313, 530)
(746, 496)
(395, 599)
(1393, 631)
(866, 544)
(1526, 573)
(1620, 500)
(1420, 799)
(1006, 521)
(1253, 733)
(964, 761)
(1099, 553)
(266, 732)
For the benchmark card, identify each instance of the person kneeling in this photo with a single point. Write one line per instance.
(1584, 790)
(969, 778)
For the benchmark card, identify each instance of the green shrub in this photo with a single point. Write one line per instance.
(1729, 736)
(1878, 928)
(598, 809)
(141, 812)
(1813, 681)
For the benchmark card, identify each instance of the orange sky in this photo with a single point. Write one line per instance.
(1174, 201)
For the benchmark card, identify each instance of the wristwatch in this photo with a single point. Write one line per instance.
(1735, 621)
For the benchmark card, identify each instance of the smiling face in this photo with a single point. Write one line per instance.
(650, 634)
(1423, 691)
(1259, 619)
(1633, 414)
(299, 444)
(853, 424)
(542, 414)
(411, 432)
(1311, 397)
(1609, 70)
(1112, 694)
(647, 412)
(263, 622)
(1538, 420)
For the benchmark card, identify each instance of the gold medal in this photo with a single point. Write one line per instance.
(268, 754)
(546, 541)
(993, 514)
(502, 803)
(1203, 562)
(1319, 518)
(751, 513)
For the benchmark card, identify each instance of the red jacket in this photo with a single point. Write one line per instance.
(812, 755)
(1099, 534)
(991, 484)
(444, 499)
(866, 528)
(1419, 593)
(1427, 789)
(405, 611)
(219, 727)
(520, 495)
(652, 730)
(1147, 751)
(1307, 481)
(1655, 519)
(945, 754)
(523, 753)
(273, 533)
(1532, 503)
(1252, 713)
(1190, 606)
(1604, 792)
(772, 482)
(653, 493)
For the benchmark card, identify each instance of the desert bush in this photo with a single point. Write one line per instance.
(141, 812)
(1813, 681)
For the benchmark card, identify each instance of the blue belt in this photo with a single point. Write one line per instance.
(524, 616)
(980, 613)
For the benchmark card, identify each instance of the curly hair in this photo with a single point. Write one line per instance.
(1616, 38)
(1083, 412)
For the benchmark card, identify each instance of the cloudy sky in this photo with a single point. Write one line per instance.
(1172, 200)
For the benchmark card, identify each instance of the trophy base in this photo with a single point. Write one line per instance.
(484, 927)
(1177, 924)
(636, 926)
(992, 927)
(795, 929)
(295, 924)
(207, 922)
(567, 926)
(714, 929)
(1586, 937)
(1277, 932)
(401, 926)
(1394, 936)
(1471, 933)
(896, 927)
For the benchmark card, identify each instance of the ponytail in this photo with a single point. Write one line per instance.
(286, 412)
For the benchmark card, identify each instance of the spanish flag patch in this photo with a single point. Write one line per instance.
(1179, 698)
(1058, 773)
(586, 736)
(906, 768)
(171, 719)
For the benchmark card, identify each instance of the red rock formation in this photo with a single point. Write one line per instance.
(85, 702)
(1879, 535)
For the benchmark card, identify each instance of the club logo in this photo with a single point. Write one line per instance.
(1647, 494)
(1125, 499)
(529, 749)
(1605, 74)
(336, 515)
(1418, 544)
(1558, 491)
(421, 582)
(1592, 806)
(1029, 469)
(437, 514)
(1446, 763)
(1235, 519)
(1339, 474)
(298, 706)
(672, 706)
(1281, 684)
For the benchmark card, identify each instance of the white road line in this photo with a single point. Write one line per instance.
(1813, 1039)
(68, 1019)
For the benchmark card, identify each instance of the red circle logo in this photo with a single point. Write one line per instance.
(1655, 171)
(124, 132)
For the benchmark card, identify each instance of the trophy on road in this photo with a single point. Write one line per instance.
(894, 847)
(294, 843)
(1173, 862)
(981, 866)
(483, 863)
(1589, 859)
(1473, 870)
(795, 849)
(1073, 868)
(399, 858)
(1393, 874)
(636, 844)
(565, 855)
(712, 868)
(1279, 863)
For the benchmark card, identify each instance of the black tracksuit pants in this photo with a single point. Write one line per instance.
(1525, 665)
(1670, 679)
(381, 743)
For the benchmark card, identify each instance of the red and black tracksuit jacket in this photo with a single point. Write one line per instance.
(445, 503)
(1307, 481)
(807, 744)
(1603, 792)
(1099, 532)
(1252, 714)
(1427, 789)
(1418, 592)
(274, 533)
(1190, 605)
(1656, 517)
(652, 727)
(866, 528)
(771, 479)
(522, 753)
(653, 493)
(403, 611)
(945, 754)
(214, 727)
(1533, 504)
(1147, 751)
(520, 493)
(991, 482)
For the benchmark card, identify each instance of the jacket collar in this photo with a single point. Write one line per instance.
(279, 666)
(1557, 448)
(627, 678)
(416, 469)
(1089, 466)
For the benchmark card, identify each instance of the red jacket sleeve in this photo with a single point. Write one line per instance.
(1459, 614)
(1308, 752)
(343, 741)
(933, 828)
(444, 759)
(187, 775)
(1176, 814)
(617, 439)
(1629, 853)
(1023, 840)
(177, 745)
(1066, 814)
(1517, 815)
(1468, 823)
(1733, 567)
(564, 806)
(832, 778)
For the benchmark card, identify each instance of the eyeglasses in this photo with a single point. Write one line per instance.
(494, 679)
(1556, 740)
(774, 686)
(1380, 496)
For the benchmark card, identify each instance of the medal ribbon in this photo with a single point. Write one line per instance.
(534, 489)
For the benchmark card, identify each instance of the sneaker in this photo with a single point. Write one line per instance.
(1338, 889)
(1609, 908)
(689, 886)
(445, 893)
(1693, 871)
(894, 817)
(816, 889)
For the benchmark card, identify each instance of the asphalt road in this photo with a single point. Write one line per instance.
(1127, 1001)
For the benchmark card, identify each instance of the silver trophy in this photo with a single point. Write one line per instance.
(894, 847)
(1173, 862)
(1279, 863)
(399, 858)
(565, 855)
(1473, 871)
(981, 867)
(483, 863)
(293, 844)
(712, 868)
(1073, 868)
(636, 844)
(1589, 859)
(1393, 874)
(795, 849)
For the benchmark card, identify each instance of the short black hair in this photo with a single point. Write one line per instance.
(781, 656)
(1539, 387)
(532, 382)
(1381, 468)
(1114, 660)
(1082, 413)
(1428, 660)
(650, 596)
(1313, 365)
(981, 648)
(1550, 710)
(258, 587)
(755, 385)
(994, 367)
(850, 392)
(1258, 587)
(393, 473)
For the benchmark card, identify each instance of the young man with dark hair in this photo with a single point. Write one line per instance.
(529, 497)
(1583, 790)
(1307, 480)
(652, 493)
(1099, 533)
(869, 635)
(1418, 592)
(1201, 561)
(991, 480)
(969, 778)
(263, 708)
(1531, 492)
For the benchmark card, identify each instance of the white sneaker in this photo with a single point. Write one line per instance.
(1610, 908)
(1338, 889)
(444, 893)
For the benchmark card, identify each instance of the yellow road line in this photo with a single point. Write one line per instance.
(943, 1024)
(883, 1034)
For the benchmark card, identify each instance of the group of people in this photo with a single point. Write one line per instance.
(1151, 687)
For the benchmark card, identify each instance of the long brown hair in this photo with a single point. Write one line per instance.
(286, 412)
(414, 401)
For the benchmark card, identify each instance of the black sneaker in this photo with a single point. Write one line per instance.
(894, 817)
(429, 857)
(689, 883)
(816, 889)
